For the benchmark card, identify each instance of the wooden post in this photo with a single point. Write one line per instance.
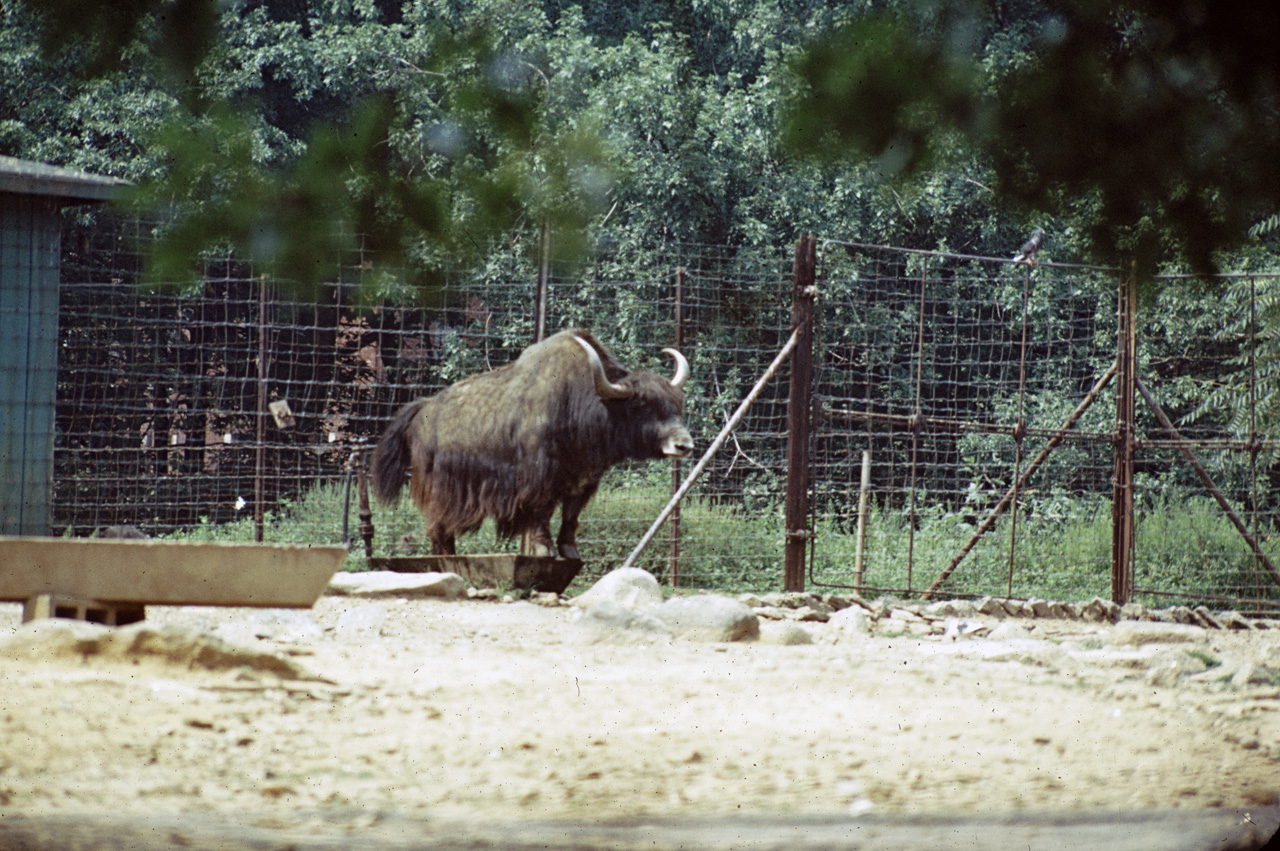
(799, 409)
(864, 494)
(1122, 480)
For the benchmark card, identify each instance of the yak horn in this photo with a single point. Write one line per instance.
(605, 389)
(682, 369)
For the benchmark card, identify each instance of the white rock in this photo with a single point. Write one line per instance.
(784, 633)
(380, 583)
(629, 587)
(851, 621)
(609, 623)
(708, 617)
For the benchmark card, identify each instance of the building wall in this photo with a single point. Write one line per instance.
(30, 230)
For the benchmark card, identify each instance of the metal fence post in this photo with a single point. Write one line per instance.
(673, 569)
(1122, 521)
(799, 410)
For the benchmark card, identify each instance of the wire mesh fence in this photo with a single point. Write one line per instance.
(981, 394)
(164, 396)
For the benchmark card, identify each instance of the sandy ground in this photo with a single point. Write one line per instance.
(470, 711)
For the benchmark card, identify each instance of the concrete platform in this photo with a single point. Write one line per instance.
(541, 573)
(116, 572)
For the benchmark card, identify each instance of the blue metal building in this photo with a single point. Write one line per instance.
(32, 196)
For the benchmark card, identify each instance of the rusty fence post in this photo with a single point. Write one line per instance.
(799, 412)
(673, 569)
(1122, 520)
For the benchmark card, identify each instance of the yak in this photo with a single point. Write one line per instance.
(514, 442)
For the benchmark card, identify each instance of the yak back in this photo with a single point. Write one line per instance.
(513, 442)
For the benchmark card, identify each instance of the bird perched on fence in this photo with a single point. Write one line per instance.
(1026, 253)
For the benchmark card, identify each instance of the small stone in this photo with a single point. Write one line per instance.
(547, 599)
(1234, 620)
(708, 617)
(839, 601)
(1134, 612)
(785, 634)
(851, 621)
(807, 615)
(751, 600)
(1100, 610)
(1181, 614)
(1039, 608)
(1206, 618)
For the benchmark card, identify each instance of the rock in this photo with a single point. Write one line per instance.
(904, 615)
(1136, 633)
(610, 623)
(1101, 610)
(708, 617)
(991, 607)
(751, 600)
(1134, 612)
(546, 599)
(1181, 614)
(1059, 611)
(381, 583)
(851, 621)
(1234, 620)
(807, 615)
(950, 609)
(629, 587)
(785, 633)
(956, 629)
(841, 601)
(362, 622)
(1206, 618)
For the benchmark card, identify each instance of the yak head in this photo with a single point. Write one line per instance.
(651, 405)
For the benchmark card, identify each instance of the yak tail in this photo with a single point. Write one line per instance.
(392, 457)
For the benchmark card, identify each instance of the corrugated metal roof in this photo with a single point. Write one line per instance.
(25, 177)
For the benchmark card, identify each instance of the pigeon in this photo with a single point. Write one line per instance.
(1030, 247)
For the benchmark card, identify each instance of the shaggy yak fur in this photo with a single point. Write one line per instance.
(512, 443)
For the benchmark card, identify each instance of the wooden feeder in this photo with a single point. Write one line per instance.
(111, 581)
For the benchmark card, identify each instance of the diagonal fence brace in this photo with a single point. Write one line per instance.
(1207, 481)
(1007, 499)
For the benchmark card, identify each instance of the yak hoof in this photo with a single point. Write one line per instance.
(570, 551)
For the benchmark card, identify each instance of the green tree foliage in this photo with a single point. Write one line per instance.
(1157, 121)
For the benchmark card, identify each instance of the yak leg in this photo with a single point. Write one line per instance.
(442, 541)
(570, 508)
(537, 539)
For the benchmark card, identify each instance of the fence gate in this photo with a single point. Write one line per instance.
(986, 427)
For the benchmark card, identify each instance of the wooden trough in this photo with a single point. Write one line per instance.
(541, 573)
(111, 581)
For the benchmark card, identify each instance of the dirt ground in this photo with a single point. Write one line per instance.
(471, 711)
